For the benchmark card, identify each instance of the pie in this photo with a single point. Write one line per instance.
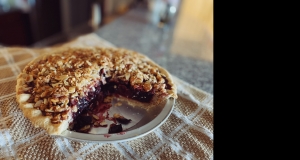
(59, 87)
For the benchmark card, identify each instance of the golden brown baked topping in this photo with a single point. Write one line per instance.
(59, 84)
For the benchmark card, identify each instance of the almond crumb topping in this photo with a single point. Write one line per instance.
(58, 79)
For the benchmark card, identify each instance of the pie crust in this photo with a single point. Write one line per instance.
(49, 88)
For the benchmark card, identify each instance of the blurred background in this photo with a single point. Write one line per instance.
(46, 22)
(176, 34)
(38, 22)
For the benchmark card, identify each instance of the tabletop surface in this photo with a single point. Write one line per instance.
(183, 45)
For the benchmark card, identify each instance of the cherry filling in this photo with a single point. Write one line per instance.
(92, 108)
(90, 112)
(126, 90)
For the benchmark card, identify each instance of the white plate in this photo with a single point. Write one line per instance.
(142, 123)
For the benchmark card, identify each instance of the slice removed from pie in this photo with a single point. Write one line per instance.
(57, 88)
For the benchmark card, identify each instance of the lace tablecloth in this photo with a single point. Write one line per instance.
(187, 133)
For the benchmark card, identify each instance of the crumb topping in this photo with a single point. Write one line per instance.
(56, 80)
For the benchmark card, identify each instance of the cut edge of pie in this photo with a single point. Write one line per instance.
(40, 105)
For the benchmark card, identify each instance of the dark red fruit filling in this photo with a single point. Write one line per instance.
(90, 111)
(126, 90)
(115, 128)
(93, 105)
(123, 120)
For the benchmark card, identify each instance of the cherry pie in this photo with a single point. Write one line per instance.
(56, 89)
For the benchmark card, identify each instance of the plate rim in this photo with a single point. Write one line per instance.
(117, 137)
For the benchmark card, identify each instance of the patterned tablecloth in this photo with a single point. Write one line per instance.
(187, 133)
